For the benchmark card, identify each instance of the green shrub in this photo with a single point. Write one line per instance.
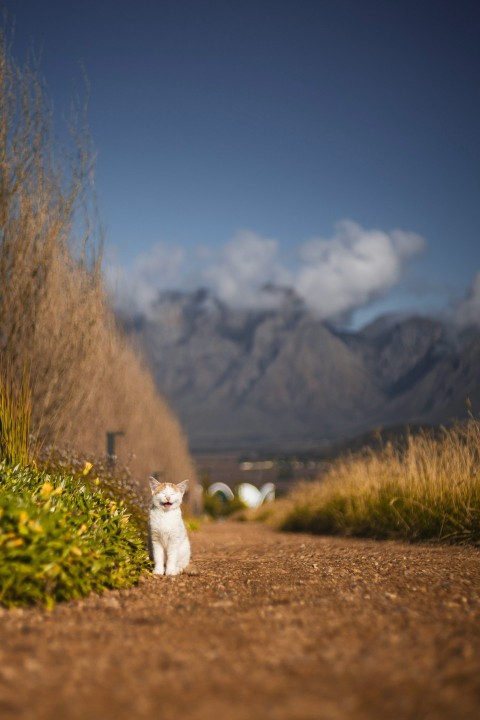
(61, 538)
(217, 506)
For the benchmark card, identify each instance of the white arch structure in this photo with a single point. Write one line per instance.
(251, 496)
(221, 488)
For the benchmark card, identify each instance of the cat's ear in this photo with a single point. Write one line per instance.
(182, 486)
(153, 484)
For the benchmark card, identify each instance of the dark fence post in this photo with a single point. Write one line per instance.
(111, 455)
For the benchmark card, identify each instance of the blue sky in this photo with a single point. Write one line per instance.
(330, 145)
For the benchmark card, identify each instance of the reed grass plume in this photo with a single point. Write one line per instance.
(54, 311)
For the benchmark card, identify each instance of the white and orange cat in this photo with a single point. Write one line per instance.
(168, 540)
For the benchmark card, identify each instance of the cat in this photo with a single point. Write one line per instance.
(168, 540)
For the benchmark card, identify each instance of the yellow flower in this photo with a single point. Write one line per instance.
(35, 526)
(87, 468)
(14, 543)
(46, 490)
(52, 569)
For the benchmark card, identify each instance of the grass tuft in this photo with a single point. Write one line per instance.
(427, 490)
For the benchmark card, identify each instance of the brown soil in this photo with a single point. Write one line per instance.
(275, 626)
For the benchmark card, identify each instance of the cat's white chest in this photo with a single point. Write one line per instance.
(167, 526)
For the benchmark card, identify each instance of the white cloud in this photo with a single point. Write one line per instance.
(467, 312)
(335, 276)
(137, 289)
(353, 267)
(245, 265)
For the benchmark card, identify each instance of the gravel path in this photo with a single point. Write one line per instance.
(275, 626)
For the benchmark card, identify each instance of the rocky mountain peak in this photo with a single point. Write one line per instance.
(277, 376)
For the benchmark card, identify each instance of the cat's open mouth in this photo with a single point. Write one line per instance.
(167, 504)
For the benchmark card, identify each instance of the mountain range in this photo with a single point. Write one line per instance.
(279, 378)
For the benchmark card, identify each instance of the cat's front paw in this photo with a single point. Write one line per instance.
(172, 571)
(158, 571)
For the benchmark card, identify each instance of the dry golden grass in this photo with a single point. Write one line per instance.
(55, 317)
(428, 489)
(16, 443)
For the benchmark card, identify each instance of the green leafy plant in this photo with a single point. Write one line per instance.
(62, 537)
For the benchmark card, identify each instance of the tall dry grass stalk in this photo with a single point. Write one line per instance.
(429, 489)
(15, 418)
(54, 313)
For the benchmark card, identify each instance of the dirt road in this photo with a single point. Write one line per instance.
(275, 626)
